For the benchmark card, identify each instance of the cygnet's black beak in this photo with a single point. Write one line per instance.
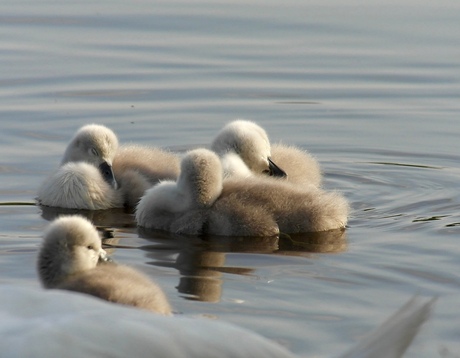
(107, 174)
(274, 170)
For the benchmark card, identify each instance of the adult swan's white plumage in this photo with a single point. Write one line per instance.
(85, 179)
(39, 324)
(71, 258)
(201, 202)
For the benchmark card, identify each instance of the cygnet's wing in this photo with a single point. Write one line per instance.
(392, 338)
(37, 323)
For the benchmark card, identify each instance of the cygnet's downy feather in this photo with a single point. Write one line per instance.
(85, 179)
(201, 202)
(71, 258)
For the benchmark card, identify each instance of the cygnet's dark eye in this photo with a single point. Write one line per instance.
(266, 171)
(90, 247)
(94, 152)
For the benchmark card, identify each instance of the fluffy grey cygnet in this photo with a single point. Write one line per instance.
(71, 258)
(182, 206)
(300, 166)
(250, 143)
(201, 202)
(96, 173)
(85, 179)
(245, 149)
(138, 168)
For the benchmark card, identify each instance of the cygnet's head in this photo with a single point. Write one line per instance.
(250, 142)
(94, 144)
(201, 176)
(71, 244)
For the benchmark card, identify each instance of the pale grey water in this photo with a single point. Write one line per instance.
(371, 88)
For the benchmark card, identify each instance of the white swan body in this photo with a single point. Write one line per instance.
(37, 323)
(201, 202)
(69, 260)
(85, 179)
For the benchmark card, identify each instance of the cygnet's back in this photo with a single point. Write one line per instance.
(85, 179)
(137, 168)
(72, 258)
(291, 209)
(181, 206)
(301, 167)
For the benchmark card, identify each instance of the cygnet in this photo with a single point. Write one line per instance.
(249, 207)
(201, 202)
(245, 149)
(138, 168)
(301, 167)
(250, 142)
(182, 206)
(85, 179)
(71, 258)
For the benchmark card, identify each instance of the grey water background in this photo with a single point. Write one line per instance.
(372, 89)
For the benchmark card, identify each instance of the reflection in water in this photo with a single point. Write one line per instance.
(104, 220)
(201, 262)
(199, 278)
(333, 241)
(117, 218)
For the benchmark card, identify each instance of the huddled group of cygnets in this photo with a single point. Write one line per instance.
(241, 186)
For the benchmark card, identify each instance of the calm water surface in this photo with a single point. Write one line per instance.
(371, 89)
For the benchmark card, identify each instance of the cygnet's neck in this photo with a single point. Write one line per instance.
(201, 177)
(53, 265)
(234, 166)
